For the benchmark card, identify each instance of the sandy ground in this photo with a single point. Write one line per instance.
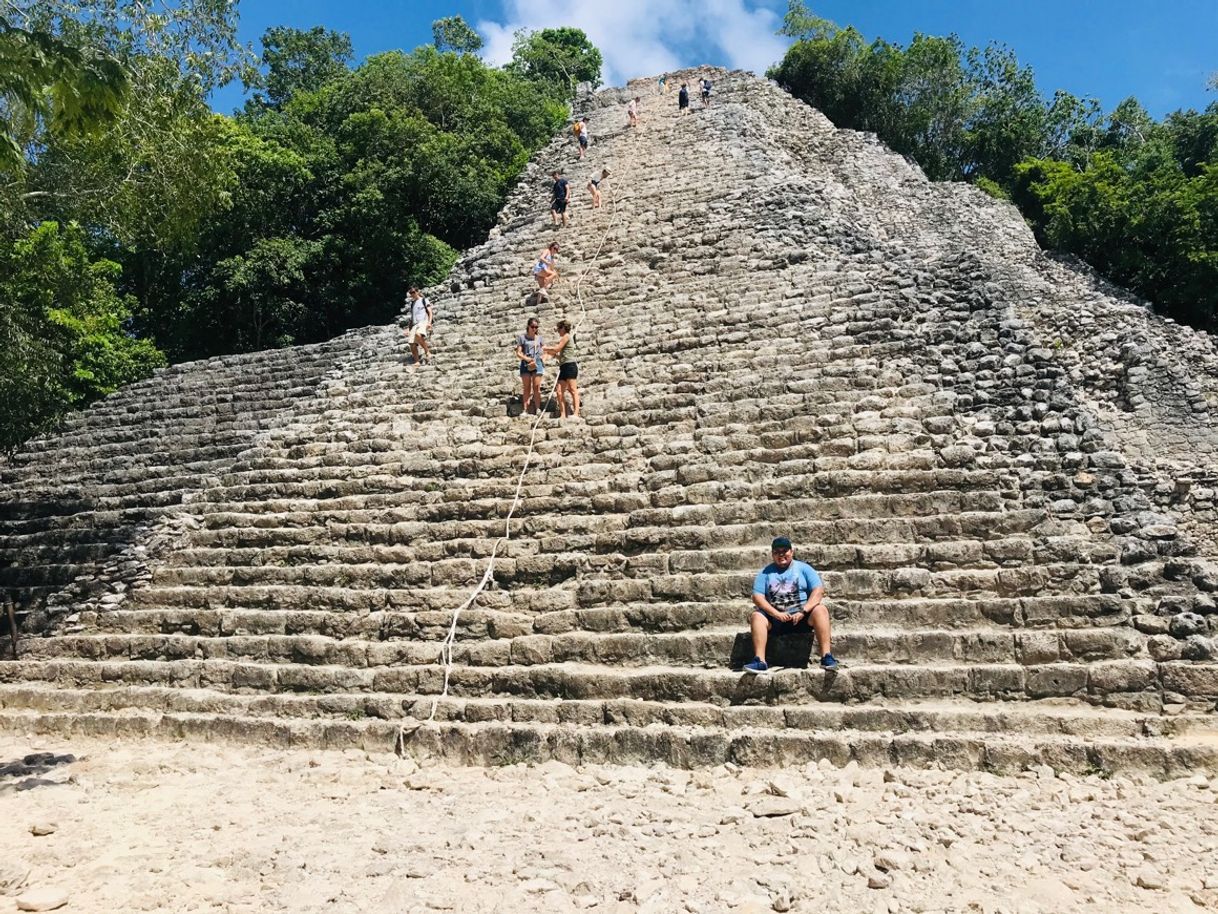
(177, 827)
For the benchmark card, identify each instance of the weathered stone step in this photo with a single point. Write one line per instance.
(132, 468)
(837, 483)
(713, 648)
(470, 535)
(1039, 614)
(462, 498)
(1122, 683)
(403, 509)
(90, 522)
(419, 466)
(497, 744)
(1058, 578)
(782, 510)
(154, 442)
(403, 586)
(967, 526)
(346, 599)
(36, 551)
(1050, 717)
(529, 562)
(991, 553)
(428, 625)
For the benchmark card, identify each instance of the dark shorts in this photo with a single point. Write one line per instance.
(525, 370)
(568, 371)
(560, 206)
(803, 626)
(683, 103)
(583, 141)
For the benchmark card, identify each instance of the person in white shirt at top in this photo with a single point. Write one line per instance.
(420, 325)
(632, 112)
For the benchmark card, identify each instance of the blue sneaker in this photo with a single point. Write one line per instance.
(828, 662)
(757, 666)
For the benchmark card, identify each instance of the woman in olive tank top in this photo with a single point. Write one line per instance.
(567, 353)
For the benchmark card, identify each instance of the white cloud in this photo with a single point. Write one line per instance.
(648, 37)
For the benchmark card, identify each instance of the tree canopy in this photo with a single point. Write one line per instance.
(561, 57)
(455, 34)
(300, 61)
(47, 84)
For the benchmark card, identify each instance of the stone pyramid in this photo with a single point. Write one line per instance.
(1004, 469)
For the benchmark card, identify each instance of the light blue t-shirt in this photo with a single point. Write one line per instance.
(786, 590)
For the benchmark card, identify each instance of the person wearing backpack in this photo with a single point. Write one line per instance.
(581, 135)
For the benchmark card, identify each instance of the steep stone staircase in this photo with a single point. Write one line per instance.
(787, 330)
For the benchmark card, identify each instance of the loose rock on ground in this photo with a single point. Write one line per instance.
(171, 827)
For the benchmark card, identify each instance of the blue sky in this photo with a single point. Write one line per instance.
(1159, 52)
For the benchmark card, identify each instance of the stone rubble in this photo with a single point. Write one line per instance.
(164, 827)
(1005, 469)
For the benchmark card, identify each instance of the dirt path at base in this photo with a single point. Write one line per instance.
(175, 827)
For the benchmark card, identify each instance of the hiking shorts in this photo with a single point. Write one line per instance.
(803, 626)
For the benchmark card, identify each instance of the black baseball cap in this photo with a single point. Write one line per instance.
(780, 542)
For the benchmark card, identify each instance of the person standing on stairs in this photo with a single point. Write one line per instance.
(683, 99)
(706, 92)
(632, 112)
(568, 369)
(787, 596)
(582, 136)
(594, 188)
(529, 349)
(545, 271)
(562, 196)
(421, 318)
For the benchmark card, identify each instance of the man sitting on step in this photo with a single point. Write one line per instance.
(787, 596)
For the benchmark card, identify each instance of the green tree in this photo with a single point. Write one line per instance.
(300, 61)
(346, 195)
(144, 185)
(1146, 224)
(454, 34)
(562, 57)
(63, 331)
(802, 24)
(46, 82)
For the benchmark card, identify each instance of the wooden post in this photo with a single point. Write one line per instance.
(12, 624)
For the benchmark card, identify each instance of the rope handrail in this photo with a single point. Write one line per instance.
(447, 645)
